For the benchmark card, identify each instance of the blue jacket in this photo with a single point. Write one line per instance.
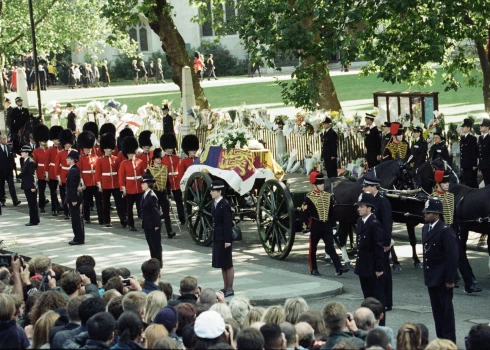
(12, 336)
(149, 287)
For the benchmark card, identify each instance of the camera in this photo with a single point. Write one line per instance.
(126, 282)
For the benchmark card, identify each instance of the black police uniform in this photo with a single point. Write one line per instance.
(329, 150)
(468, 159)
(151, 219)
(74, 194)
(29, 183)
(419, 152)
(7, 164)
(168, 124)
(439, 150)
(19, 116)
(373, 146)
(440, 265)
(484, 157)
(222, 227)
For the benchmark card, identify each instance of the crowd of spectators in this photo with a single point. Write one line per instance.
(42, 307)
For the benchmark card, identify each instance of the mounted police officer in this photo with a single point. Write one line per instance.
(316, 214)
(469, 155)
(439, 148)
(419, 147)
(440, 265)
(329, 148)
(397, 147)
(484, 151)
(372, 141)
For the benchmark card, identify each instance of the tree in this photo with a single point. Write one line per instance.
(159, 13)
(415, 34)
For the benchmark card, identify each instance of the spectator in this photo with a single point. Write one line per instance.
(167, 343)
(167, 289)
(89, 272)
(73, 318)
(273, 337)
(250, 339)
(83, 260)
(153, 333)
(154, 302)
(346, 345)
(4, 275)
(377, 337)
(115, 307)
(222, 309)
(274, 314)
(293, 308)
(314, 319)
(41, 265)
(378, 310)
(151, 274)
(254, 315)
(71, 283)
(239, 307)
(188, 337)
(290, 335)
(187, 315)
(58, 271)
(425, 335)
(339, 327)
(364, 319)
(135, 302)
(124, 272)
(169, 318)
(305, 333)
(107, 274)
(478, 338)
(50, 300)
(189, 292)
(11, 335)
(235, 327)
(108, 295)
(116, 284)
(200, 308)
(409, 337)
(129, 329)
(100, 331)
(208, 296)
(210, 330)
(441, 344)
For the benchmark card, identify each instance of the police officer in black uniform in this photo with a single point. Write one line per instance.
(468, 147)
(419, 147)
(329, 148)
(74, 198)
(439, 148)
(484, 151)
(372, 141)
(29, 184)
(440, 264)
(19, 116)
(152, 225)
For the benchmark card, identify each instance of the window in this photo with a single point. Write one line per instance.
(229, 12)
(207, 27)
(139, 33)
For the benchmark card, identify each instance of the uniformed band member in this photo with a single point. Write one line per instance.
(316, 209)
(108, 128)
(369, 263)
(40, 133)
(94, 129)
(152, 225)
(122, 135)
(171, 161)
(419, 147)
(397, 147)
(190, 146)
(372, 141)
(144, 140)
(61, 165)
(161, 188)
(74, 198)
(222, 236)
(168, 121)
(385, 138)
(29, 184)
(484, 151)
(329, 148)
(440, 264)
(50, 167)
(438, 149)
(469, 155)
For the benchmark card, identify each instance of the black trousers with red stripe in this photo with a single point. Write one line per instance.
(322, 230)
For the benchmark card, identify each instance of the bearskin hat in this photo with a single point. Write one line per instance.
(157, 153)
(129, 145)
(66, 136)
(86, 139)
(122, 134)
(93, 127)
(144, 138)
(108, 128)
(190, 143)
(107, 140)
(168, 141)
(54, 132)
(40, 133)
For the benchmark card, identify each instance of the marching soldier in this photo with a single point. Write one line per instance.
(152, 225)
(161, 188)
(190, 145)
(372, 141)
(171, 161)
(385, 137)
(106, 170)
(397, 147)
(484, 151)
(419, 147)
(94, 129)
(29, 184)
(439, 149)
(168, 121)
(130, 175)
(61, 165)
(74, 198)
(316, 214)
(87, 164)
(108, 128)
(50, 167)
(440, 266)
(329, 148)
(122, 135)
(40, 133)
(469, 155)
(144, 140)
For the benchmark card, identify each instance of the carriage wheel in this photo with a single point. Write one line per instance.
(276, 219)
(197, 201)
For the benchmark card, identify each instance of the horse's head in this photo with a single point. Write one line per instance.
(395, 174)
(425, 173)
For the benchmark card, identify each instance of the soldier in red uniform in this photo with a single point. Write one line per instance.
(87, 164)
(144, 140)
(50, 170)
(106, 175)
(130, 175)
(190, 145)
(122, 135)
(108, 128)
(171, 161)
(94, 128)
(40, 133)
(61, 166)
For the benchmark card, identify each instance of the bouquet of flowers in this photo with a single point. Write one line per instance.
(244, 115)
(279, 121)
(230, 138)
(405, 120)
(96, 107)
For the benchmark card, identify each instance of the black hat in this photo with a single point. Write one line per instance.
(144, 138)
(69, 105)
(86, 139)
(485, 122)
(123, 134)
(74, 155)
(433, 205)
(370, 180)
(438, 133)
(467, 122)
(165, 108)
(387, 124)
(157, 153)
(107, 140)
(367, 198)
(26, 148)
(441, 176)
(93, 127)
(217, 185)
(108, 128)
(370, 116)
(18, 98)
(316, 178)
(129, 145)
(190, 143)
(40, 133)
(148, 178)
(418, 129)
(66, 136)
(54, 132)
(168, 141)
(327, 120)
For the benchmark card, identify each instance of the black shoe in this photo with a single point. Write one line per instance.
(132, 229)
(31, 224)
(171, 234)
(229, 293)
(67, 217)
(315, 273)
(54, 213)
(75, 243)
(108, 225)
(16, 203)
(472, 289)
(87, 222)
(341, 271)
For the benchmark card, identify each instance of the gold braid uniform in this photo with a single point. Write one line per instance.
(160, 173)
(447, 200)
(396, 149)
(321, 201)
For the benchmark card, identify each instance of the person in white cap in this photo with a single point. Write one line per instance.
(210, 329)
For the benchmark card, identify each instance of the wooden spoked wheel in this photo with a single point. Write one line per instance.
(197, 202)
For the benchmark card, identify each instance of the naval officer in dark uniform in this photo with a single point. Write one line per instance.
(329, 148)
(74, 198)
(150, 211)
(484, 151)
(222, 236)
(372, 141)
(29, 184)
(439, 148)
(440, 264)
(419, 147)
(468, 148)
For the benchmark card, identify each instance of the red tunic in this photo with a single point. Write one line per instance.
(106, 172)
(146, 158)
(87, 165)
(130, 174)
(121, 157)
(61, 165)
(39, 156)
(183, 165)
(172, 163)
(49, 162)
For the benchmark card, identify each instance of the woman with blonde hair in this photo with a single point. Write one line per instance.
(441, 344)
(153, 333)
(154, 302)
(239, 307)
(293, 307)
(42, 327)
(254, 315)
(222, 309)
(274, 314)
(409, 337)
(135, 72)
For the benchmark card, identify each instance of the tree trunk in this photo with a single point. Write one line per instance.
(174, 46)
(485, 67)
